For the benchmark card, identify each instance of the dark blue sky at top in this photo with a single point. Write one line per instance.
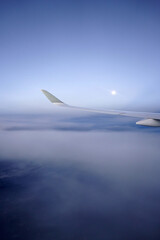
(80, 50)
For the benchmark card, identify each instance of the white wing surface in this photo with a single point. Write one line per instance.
(149, 119)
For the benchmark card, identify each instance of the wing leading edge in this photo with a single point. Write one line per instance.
(149, 119)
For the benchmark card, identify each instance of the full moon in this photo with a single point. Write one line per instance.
(113, 92)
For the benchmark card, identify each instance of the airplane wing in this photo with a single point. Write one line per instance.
(149, 119)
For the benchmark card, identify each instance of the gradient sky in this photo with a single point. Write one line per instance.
(79, 50)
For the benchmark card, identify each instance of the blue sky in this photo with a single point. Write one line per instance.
(79, 50)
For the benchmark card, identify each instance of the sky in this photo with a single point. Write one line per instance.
(79, 51)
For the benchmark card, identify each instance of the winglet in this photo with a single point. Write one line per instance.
(52, 98)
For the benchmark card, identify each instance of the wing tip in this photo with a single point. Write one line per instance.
(43, 91)
(52, 98)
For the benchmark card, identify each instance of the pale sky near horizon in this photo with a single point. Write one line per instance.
(79, 51)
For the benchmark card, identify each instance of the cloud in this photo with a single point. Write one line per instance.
(97, 122)
(74, 184)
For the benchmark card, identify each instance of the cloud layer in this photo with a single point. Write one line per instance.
(73, 180)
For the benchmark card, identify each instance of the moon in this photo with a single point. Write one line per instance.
(113, 92)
